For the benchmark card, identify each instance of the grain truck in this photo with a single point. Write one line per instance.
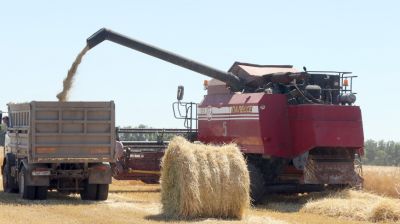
(63, 146)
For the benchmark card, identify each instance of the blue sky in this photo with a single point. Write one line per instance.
(40, 39)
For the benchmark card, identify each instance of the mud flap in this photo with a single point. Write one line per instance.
(100, 174)
(35, 180)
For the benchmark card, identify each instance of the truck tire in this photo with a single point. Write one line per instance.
(102, 192)
(89, 191)
(25, 191)
(257, 183)
(9, 184)
(41, 192)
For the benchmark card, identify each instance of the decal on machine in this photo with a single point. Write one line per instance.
(241, 109)
(236, 112)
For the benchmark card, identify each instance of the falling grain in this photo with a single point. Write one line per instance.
(67, 83)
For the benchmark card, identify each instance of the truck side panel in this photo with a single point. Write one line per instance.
(18, 132)
(66, 132)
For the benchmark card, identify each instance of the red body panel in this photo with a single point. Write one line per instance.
(231, 118)
(325, 126)
(265, 124)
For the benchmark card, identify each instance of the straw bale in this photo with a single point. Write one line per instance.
(356, 205)
(204, 181)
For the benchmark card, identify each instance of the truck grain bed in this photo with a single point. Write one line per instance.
(63, 132)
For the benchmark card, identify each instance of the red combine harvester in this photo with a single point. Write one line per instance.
(299, 130)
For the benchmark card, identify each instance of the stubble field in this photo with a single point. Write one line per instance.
(134, 202)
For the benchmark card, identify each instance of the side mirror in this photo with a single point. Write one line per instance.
(179, 95)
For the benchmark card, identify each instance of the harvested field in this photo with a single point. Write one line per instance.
(134, 202)
(382, 180)
(356, 205)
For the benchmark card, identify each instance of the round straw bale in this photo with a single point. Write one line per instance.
(385, 210)
(202, 181)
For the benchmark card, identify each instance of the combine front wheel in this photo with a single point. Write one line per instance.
(257, 183)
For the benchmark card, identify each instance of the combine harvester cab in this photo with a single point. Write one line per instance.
(299, 130)
(65, 146)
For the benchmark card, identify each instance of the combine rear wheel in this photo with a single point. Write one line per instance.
(257, 183)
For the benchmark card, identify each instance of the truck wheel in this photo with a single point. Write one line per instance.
(257, 183)
(102, 192)
(25, 191)
(89, 191)
(9, 184)
(41, 192)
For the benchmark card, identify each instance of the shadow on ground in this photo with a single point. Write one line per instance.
(290, 203)
(135, 191)
(53, 198)
(164, 218)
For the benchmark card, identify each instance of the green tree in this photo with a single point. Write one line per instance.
(382, 153)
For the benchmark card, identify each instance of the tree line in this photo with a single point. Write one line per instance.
(382, 153)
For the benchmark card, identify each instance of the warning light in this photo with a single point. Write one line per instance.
(345, 82)
(205, 84)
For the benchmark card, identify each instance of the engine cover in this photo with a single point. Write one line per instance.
(265, 124)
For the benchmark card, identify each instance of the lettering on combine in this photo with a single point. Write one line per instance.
(241, 109)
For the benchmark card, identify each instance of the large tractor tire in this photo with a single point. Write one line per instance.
(25, 191)
(257, 183)
(9, 183)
